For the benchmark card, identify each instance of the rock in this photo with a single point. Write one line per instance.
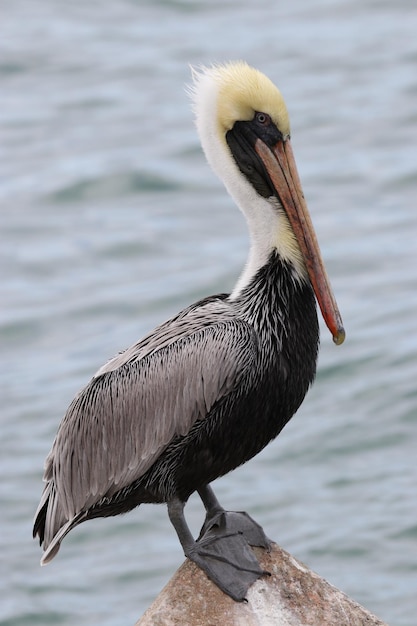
(292, 596)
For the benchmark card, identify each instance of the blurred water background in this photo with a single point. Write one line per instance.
(111, 222)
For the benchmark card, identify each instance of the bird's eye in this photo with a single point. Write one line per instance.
(262, 118)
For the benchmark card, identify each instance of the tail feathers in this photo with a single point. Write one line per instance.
(51, 524)
(55, 544)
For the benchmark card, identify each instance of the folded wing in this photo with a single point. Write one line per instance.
(120, 423)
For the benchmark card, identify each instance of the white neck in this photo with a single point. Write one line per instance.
(268, 226)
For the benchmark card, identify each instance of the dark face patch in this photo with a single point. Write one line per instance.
(241, 141)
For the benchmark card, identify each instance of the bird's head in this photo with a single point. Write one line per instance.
(243, 92)
(244, 130)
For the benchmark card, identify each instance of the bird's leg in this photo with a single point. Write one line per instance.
(234, 521)
(211, 503)
(224, 555)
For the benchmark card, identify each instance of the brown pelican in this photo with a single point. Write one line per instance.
(208, 389)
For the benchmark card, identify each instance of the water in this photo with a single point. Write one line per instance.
(111, 222)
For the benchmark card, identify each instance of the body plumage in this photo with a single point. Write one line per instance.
(207, 390)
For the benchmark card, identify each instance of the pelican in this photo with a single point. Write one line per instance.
(211, 387)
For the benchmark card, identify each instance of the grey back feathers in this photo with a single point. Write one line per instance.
(138, 402)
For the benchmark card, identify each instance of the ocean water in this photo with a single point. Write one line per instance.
(111, 221)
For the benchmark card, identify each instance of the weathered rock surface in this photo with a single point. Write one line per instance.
(292, 596)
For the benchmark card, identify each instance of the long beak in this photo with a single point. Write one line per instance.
(280, 165)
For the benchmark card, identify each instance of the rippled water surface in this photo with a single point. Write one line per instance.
(112, 221)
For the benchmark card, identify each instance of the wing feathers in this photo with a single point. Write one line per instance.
(116, 428)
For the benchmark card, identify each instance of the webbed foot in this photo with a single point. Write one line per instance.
(238, 522)
(222, 550)
(225, 556)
